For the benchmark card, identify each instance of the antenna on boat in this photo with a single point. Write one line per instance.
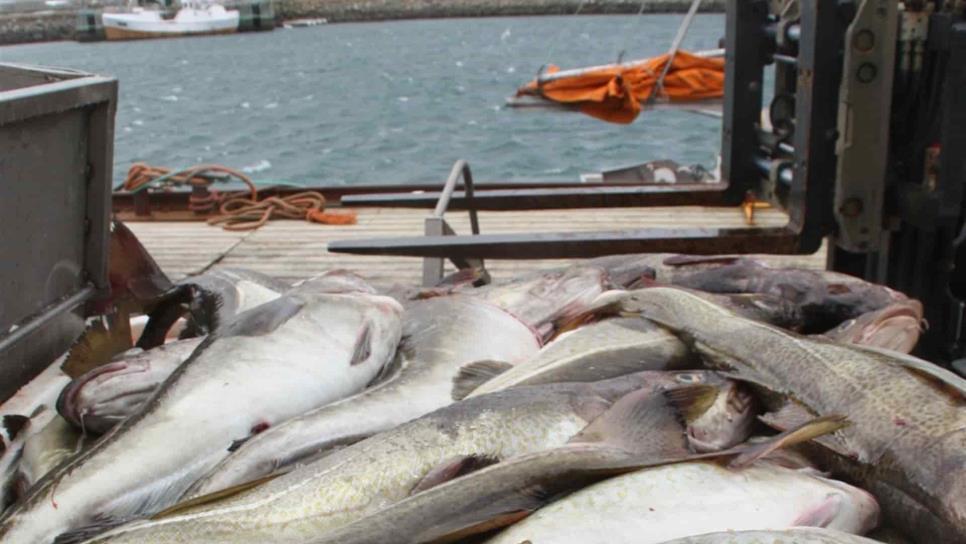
(675, 45)
(556, 40)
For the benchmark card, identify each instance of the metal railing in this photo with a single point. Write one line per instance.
(436, 225)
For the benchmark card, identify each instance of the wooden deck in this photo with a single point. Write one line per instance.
(294, 249)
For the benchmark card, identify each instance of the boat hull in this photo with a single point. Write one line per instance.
(143, 24)
(118, 33)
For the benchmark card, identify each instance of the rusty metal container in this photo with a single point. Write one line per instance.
(56, 154)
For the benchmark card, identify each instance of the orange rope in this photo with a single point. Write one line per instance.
(242, 213)
(239, 211)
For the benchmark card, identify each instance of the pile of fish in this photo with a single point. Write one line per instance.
(626, 399)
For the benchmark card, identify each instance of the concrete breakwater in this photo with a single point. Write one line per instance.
(61, 24)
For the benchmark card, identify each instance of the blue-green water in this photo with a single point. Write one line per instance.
(391, 102)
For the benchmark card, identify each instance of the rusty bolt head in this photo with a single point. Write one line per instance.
(864, 41)
(852, 207)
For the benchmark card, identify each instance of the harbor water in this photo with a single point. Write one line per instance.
(388, 102)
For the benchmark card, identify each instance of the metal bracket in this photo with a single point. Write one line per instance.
(436, 225)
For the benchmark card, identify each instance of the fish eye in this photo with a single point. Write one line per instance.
(688, 378)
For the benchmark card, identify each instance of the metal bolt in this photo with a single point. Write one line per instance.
(866, 72)
(864, 41)
(852, 207)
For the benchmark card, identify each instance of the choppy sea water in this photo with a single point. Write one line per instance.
(388, 102)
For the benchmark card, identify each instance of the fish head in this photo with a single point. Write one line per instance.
(721, 422)
(101, 397)
(96, 400)
(896, 327)
(363, 329)
(841, 507)
(544, 300)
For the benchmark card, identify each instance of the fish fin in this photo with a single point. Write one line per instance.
(264, 318)
(211, 498)
(169, 307)
(497, 521)
(450, 469)
(790, 415)
(693, 401)
(793, 414)
(642, 422)
(87, 532)
(97, 346)
(810, 430)
(821, 515)
(15, 424)
(363, 348)
(472, 375)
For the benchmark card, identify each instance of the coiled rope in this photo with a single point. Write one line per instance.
(235, 211)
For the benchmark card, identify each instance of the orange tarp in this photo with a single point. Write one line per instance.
(615, 93)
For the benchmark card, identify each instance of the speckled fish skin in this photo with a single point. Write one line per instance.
(812, 535)
(907, 438)
(597, 351)
(369, 475)
(502, 493)
(659, 504)
(317, 348)
(439, 335)
(106, 395)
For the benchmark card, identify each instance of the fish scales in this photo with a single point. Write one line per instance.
(379, 471)
(306, 344)
(907, 428)
(654, 505)
(439, 335)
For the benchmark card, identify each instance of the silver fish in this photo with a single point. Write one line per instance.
(360, 479)
(811, 535)
(439, 335)
(316, 348)
(908, 436)
(601, 350)
(109, 393)
(643, 428)
(659, 504)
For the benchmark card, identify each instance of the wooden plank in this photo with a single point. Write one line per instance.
(295, 249)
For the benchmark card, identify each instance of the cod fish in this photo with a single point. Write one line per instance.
(439, 334)
(810, 535)
(314, 348)
(109, 393)
(642, 428)
(907, 443)
(658, 504)
(544, 300)
(386, 468)
(612, 347)
(825, 298)
(601, 350)
(895, 327)
(210, 300)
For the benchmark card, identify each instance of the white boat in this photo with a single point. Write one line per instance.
(194, 17)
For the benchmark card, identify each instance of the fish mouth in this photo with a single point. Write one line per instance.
(727, 422)
(67, 402)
